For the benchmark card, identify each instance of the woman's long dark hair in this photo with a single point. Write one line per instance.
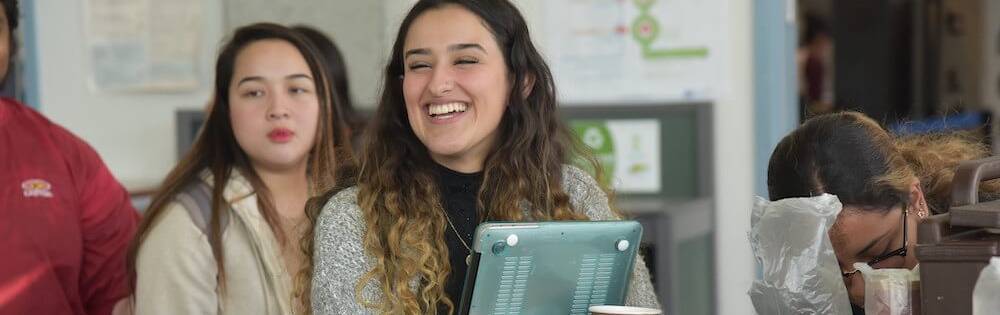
(216, 151)
(398, 193)
(337, 73)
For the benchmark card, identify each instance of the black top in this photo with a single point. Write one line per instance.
(458, 197)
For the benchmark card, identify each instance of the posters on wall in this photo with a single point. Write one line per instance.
(628, 149)
(640, 51)
(143, 45)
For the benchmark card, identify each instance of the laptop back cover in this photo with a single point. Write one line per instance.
(549, 267)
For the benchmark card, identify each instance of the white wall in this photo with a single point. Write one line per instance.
(394, 12)
(734, 159)
(134, 133)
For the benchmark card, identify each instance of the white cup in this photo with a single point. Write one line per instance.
(622, 310)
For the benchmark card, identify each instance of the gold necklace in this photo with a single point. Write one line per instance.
(468, 258)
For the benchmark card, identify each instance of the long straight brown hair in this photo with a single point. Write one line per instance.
(398, 193)
(216, 150)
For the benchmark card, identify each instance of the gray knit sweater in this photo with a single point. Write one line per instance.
(340, 259)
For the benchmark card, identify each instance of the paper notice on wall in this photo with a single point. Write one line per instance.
(628, 149)
(143, 45)
(612, 51)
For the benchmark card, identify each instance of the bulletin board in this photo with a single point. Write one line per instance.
(144, 45)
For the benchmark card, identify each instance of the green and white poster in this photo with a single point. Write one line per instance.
(614, 51)
(628, 149)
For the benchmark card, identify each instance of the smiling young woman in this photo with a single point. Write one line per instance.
(466, 131)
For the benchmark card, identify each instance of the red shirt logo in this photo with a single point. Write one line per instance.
(37, 188)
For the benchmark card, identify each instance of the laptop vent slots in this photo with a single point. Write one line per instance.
(592, 285)
(513, 285)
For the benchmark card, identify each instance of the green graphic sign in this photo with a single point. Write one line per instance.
(645, 30)
(595, 134)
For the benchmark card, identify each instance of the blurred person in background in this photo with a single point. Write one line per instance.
(814, 59)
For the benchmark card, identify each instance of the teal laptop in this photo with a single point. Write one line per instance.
(549, 267)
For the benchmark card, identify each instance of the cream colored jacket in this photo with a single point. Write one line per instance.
(177, 274)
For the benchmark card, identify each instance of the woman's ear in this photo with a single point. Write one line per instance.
(918, 200)
(527, 85)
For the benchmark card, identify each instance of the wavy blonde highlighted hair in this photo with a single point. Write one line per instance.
(934, 159)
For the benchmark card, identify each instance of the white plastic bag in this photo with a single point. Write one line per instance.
(891, 291)
(986, 295)
(800, 271)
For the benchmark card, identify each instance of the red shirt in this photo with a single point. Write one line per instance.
(65, 222)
